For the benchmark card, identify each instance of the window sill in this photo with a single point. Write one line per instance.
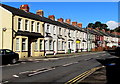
(24, 51)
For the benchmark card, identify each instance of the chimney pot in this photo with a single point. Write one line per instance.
(25, 7)
(68, 21)
(52, 17)
(74, 23)
(40, 12)
(79, 25)
(60, 19)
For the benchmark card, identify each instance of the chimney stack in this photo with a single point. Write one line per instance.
(97, 29)
(68, 21)
(103, 30)
(89, 28)
(40, 12)
(74, 23)
(108, 31)
(60, 20)
(79, 25)
(24, 7)
(52, 17)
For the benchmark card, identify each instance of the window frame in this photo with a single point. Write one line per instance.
(24, 44)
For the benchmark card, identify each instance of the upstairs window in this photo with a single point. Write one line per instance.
(59, 31)
(26, 24)
(32, 26)
(53, 29)
(38, 27)
(47, 29)
(19, 23)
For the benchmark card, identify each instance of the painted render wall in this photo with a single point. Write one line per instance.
(5, 22)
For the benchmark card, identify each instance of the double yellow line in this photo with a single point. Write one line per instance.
(82, 76)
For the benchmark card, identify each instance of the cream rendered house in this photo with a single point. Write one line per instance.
(6, 29)
(21, 31)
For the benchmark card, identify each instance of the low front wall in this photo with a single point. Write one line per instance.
(38, 54)
(60, 52)
(23, 55)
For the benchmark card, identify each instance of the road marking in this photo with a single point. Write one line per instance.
(32, 71)
(1, 66)
(40, 72)
(16, 76)
(82, 76)
(23, 62)
(4, 82)
(67, 64)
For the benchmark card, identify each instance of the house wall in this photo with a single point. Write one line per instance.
(33, 52)
(6, 23)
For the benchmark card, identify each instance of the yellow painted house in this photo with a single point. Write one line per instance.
(21, 31)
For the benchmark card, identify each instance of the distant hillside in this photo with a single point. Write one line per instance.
(117, 29)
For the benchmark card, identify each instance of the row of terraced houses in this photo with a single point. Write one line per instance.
(34, 35)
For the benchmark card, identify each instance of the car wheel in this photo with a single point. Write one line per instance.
(14, 61)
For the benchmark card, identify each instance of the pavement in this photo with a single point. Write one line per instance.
(57, 56)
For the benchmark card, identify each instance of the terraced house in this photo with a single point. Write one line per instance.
(34, 35)
(23, 32)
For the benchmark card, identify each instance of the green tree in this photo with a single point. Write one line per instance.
(98, 24)
(91, 25)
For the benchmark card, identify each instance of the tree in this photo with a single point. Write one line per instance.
(117, 29)
(104, 26)
(91, 25)
(98, 24)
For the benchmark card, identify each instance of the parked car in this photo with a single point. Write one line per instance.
(117, 51)
(8, 56)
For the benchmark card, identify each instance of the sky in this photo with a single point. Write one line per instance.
(82, 12)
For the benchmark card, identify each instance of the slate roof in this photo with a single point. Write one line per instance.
(16, 11)
(22, 13)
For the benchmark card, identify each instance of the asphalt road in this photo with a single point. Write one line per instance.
(51, 70)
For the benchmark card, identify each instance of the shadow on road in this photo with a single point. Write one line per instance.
(112, 69)
(115, 52)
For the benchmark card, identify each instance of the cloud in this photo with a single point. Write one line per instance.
(112, 24)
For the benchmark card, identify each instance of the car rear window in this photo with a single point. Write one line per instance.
(1, 52)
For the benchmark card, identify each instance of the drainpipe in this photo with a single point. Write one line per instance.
(87, 40)
(12, 29)
(44, 38)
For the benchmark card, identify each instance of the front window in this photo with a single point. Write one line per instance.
(19, 23)
(50, 43)
(23, 44)
(62, 45)
(40, 44)
(36, 45)
(17, 44)
(59, 47)
(26, 24)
